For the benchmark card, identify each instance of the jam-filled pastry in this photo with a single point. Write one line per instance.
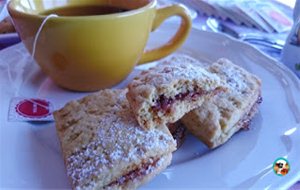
(228, 112)
(104, 147)
(164, 93)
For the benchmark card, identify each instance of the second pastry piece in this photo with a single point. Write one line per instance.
(164, 93)
(225, 114)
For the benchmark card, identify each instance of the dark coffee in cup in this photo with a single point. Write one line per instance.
(85, 10)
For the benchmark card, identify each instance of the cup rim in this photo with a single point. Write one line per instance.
(12, 11)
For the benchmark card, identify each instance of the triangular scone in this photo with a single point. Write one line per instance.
(105, 148)
(223, 115)
(164, 93)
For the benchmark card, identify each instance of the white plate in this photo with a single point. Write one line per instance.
(30, 153)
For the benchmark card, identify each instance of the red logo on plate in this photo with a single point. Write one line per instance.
(33, 108)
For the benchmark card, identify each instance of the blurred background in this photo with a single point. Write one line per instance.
(262, 23)
(272, 26)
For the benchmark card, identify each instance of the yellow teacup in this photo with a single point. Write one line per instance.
(87, 52)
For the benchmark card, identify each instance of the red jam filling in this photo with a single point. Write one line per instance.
(163, 102)
(138, 172)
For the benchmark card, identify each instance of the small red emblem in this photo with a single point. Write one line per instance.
(33, 108)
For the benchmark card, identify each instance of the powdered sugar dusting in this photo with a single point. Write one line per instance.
(119, 142)
(168, 71)
(237, 79)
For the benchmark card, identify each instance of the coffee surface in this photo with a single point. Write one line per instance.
(84, 10)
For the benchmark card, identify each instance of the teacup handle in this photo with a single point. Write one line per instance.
(176, 41)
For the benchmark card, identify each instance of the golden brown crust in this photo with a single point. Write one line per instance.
(222, 116)
(101, 141)
(178, 131)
